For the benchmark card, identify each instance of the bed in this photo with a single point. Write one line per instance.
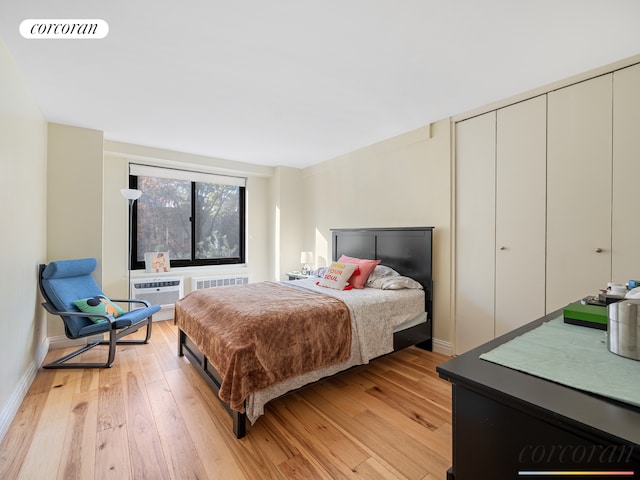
(368, 323)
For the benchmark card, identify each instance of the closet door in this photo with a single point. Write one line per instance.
(521, 146)
(626, 175)
(475, 231)
(579, 191)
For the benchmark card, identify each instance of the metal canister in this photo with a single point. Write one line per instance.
(623, 328)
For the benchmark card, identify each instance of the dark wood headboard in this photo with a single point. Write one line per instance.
(406, 250)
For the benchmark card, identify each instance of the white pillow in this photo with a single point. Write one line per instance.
(337, 275)
(381, 271)
(318, 272)
(395, 282)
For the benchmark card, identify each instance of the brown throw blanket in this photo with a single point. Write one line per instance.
(259, 334)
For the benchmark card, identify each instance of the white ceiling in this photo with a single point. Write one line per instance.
(296, 82)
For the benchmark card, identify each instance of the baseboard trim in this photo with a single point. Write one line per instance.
(440, 346)
(9, 411)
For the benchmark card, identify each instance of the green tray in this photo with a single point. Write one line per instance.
(593, 316)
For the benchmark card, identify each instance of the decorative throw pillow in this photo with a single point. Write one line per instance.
(337, 276)
(365, 267)
(379, 272)
(318, 272)
(394, 282)
(100, 305)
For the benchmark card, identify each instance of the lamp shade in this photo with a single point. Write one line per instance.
(130, 193)
(306, 257)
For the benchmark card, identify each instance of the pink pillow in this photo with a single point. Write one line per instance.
(359, 279)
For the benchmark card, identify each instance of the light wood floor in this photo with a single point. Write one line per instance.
(151, 416)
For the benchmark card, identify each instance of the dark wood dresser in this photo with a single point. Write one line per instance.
(509, 425)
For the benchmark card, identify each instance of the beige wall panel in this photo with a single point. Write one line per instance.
(259, 228)
(75, 185)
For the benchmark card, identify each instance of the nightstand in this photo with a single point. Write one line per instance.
(296, 275)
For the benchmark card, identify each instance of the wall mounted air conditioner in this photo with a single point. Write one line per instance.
(163, 291)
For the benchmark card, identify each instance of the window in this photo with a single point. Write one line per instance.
(198, 218)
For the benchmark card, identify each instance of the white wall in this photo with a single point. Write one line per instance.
(401, 182)
(23, 190)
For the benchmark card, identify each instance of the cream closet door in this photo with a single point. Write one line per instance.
(579, 191)
(475, 231)
(626, 175)
(520, 214)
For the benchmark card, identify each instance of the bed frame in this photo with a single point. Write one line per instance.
(406, 250)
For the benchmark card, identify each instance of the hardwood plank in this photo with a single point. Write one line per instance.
(403, 419)
(391, 439)
(407, 402)
(111, 406)
(150, 366)
(218, 462)
(112, 447)
(168, 333)
(436, 391)
(318, 438)
(147, 459)
(298, 467)
(377, 442)
(79, 446)
(50, 429)
(268, 444)
(89, 380)
(164, 347)
(398, 448)
(373, 469)
(254, 453)
(179, 452)
(112, 454)
(16, 442)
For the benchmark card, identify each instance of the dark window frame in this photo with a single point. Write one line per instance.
(193, 262)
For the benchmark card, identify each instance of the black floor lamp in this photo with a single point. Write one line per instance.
(131, 194)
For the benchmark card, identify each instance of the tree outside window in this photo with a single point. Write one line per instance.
(198, 223)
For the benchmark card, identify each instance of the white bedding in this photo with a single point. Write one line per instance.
(375, 315)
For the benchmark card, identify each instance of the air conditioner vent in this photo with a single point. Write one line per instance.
(156, 283)
(198, 283)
